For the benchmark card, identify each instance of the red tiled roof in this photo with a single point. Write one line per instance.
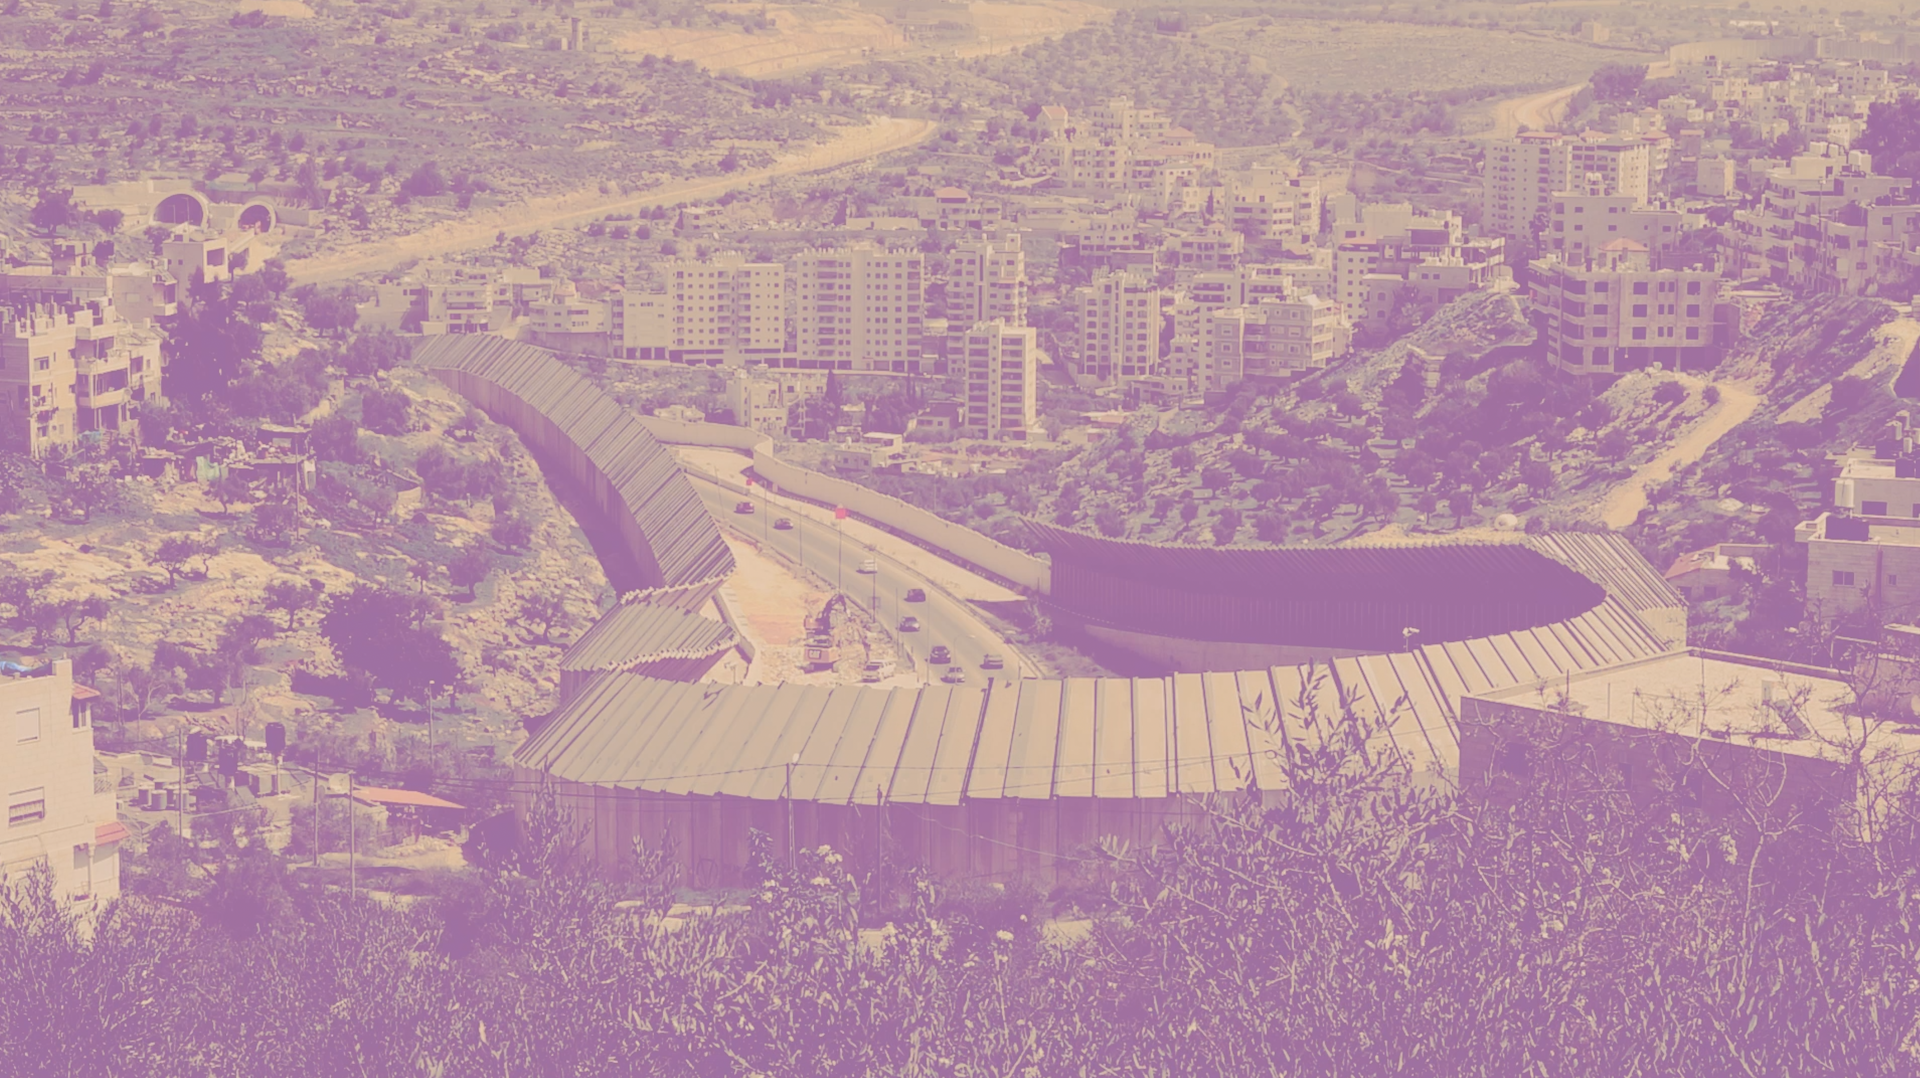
(108, 833)
(82, 692)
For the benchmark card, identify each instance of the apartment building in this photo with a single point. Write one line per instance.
(1002, 370)
(724, 310)
(1825, 223)
(1618, 313)
(59, 815)
(1408, 257)
(1268, 204)
(1520, 178)
(859, 308)
(1119, 323)
(987, 280)
(1118, 146)
(140, 291)
(954, 208)
(1582, 223)
(72, 368)
(1523, 175)
(1244, 285)
(567, 313)
(1214, 247)
(640, 324)
(1269, 339)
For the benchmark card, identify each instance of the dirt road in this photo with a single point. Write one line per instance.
(1623, 504)
(1537, 111)
(882, 136)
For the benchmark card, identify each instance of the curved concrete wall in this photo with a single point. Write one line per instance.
(957, 540)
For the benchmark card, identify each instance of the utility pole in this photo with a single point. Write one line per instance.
(180, 795)
(430, 688)
(788, 796)
(353, 841)
(315, 771)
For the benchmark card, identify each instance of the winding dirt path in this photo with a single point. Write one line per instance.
(1623, 504)
(882, 136)
(1536, 111)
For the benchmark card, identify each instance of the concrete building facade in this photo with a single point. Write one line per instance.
(1620, 314)
(73, 368)
(987, 280)
(59, 815)
(1119, 323)
(1003, 372)
(859, 308)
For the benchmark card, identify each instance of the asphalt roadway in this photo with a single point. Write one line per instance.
(838, 560)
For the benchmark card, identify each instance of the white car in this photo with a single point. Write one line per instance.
(869, 566)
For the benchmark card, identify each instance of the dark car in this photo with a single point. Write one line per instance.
(909, 624)
(939, 655)
(916, 595)
(743, 507)
(783, 525)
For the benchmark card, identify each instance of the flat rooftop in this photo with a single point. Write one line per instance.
(1783, 707)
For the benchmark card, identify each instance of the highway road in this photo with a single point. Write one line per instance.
(835, 559)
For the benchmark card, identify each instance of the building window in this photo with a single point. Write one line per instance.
(1842, 578)
(26, 725)
(1874, 509)
(27, 806)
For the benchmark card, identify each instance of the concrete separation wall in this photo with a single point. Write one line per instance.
(957, 540)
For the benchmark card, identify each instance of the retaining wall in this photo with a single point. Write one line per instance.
(958, 540)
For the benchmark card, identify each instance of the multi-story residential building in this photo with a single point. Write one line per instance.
(1268, 204)
(859, 308)
(1520, 178)
(567, 312)
(640, 324)
(954, 208)
(987, 281)
(1408, 257)
(59, 815)
(1002, 364)
(1613, 164)
(73, 368)
(1211, 248)
(1620, 314)
(141, 292)
(1583, 223)
(1826, 223)
(1247, 284)
(1119, 323)
(1116, 146)
(1269, 339)
(725, 309)
(197, 254)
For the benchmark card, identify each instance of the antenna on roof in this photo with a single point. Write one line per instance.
(1407, 636)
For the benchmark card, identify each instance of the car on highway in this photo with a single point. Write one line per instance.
(868, 565)
(909, 624)
(783, 525)
(939, 655)
(743, 508)
(993, 661)
(955, 675)
(916, 595)
(876, 670)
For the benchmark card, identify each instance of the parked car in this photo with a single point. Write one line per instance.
(993, 661)
(744, 508)
(909, 624)
(783, 525)
(916, 595)
(939, 655)
(955, 675)
(869, 566)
